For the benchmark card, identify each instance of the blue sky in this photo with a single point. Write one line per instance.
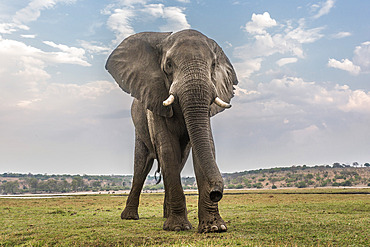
(303, 95)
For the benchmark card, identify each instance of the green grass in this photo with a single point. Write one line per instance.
(262, 218)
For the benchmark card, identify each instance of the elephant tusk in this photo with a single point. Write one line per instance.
(221, 103)
(169, 100)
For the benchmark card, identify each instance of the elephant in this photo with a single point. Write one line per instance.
(178, 81)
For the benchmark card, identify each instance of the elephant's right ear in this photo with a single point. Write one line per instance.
(135, 65)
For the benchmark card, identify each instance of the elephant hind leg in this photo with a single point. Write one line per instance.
(142, 165)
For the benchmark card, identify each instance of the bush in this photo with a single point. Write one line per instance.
(301, 184)
(257, 185)
(238, 186)
(274, 187)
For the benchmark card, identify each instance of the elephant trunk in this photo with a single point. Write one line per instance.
(194, 99)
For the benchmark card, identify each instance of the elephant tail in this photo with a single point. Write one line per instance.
(158, 171)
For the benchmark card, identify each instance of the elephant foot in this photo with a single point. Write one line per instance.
(177, 223)
(130, 214)
(212, 222)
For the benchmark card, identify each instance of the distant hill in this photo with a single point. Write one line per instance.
(284, 177)
(300, 177)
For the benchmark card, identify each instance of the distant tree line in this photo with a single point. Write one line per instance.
(13, 183)
(296, 176)
(301, 177)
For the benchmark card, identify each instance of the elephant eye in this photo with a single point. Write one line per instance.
(169, 64)
(168, 67)
(213, 65)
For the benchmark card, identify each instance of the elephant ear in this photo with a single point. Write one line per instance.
(224, 77)
(135, 65)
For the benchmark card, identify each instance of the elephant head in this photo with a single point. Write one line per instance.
(184, 68)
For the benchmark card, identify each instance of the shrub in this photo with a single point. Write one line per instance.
(301, 184)
(257, 185)
(274, 186)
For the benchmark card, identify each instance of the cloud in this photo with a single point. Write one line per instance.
(309, 96)
(28, 14)
(341, 35)
(360, 63)
(28, 36)
(23, 68)
(303, 35)
(124, 14)
(344, 64)
(284, 39)
(68, 55)
(362, 56)
(119, 23)
(325, 8)
(174, 17)
(33, 10)
(287, 60)
(260, 23)
(94, 47)
(290, 113)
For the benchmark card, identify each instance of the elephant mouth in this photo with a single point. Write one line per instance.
(217, 101)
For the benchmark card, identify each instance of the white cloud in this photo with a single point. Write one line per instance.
(362, 56)
(28, 36)
(33, 10)
(260, 23)
(309, 96)
(69, 55)
(344, 64)
(341, 35)
(93, 47)
(28, 14)
(303, 35)
(119, 23)
(358, 101)
(287, 60)
(360, 63)
(175, 18)
(285, 39)
(7, 28)
(121, 18)
(325, 8)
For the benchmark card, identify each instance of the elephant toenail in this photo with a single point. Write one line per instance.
(214, 228)
(187, 228)
(223, 228)
(177, 229)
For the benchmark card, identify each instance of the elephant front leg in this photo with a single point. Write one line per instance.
(142, 165)
(175, 203)
(208, 214)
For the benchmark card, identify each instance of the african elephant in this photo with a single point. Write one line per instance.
(177, 81)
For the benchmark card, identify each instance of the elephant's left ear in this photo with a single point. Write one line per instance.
(135, 65)
(224, 77)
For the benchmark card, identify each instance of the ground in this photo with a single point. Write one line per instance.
(322, 217)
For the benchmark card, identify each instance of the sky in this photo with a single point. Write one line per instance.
(303, 96)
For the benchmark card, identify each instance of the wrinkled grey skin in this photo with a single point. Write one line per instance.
(193, 68)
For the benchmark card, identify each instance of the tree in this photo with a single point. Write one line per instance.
(77, 183)
(337, 165)
(10, 187)
(367, 165)
(33, 183)
(97, 184)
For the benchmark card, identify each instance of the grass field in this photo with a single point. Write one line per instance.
(305, 217)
